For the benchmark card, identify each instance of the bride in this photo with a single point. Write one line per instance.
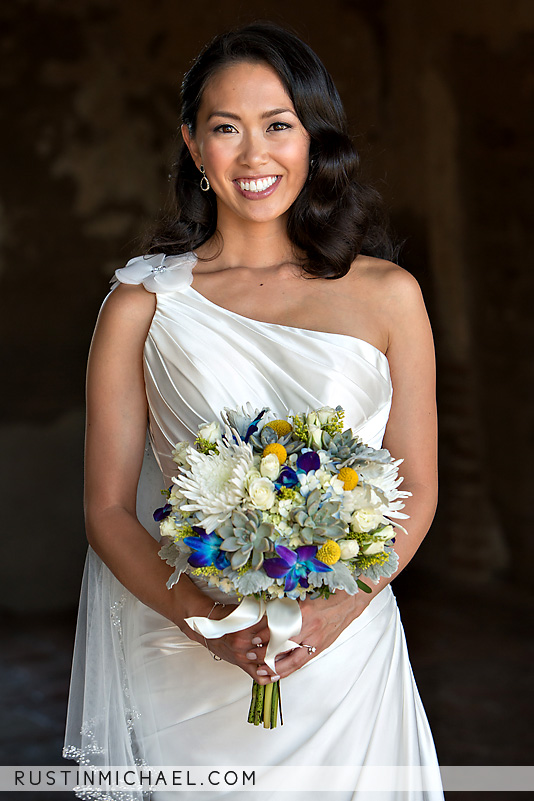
(270, 283)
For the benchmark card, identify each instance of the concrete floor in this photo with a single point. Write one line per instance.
(471, 649)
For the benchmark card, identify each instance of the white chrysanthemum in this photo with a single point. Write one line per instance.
(383, 482)
(383, 476)
(215, 483)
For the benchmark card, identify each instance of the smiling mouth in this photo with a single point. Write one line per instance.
(259, 185)
(256, 188)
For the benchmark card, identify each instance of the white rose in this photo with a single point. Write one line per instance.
(365, 519)
(381, 537)
(180, 453)
(349, 548)
(386, 533)
(373, 547)
(211, 432)
(252, 475)
(316, 435)
(322, 416)
(261, 491)
(270, 466)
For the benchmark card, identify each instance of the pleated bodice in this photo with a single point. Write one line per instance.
(200, 357)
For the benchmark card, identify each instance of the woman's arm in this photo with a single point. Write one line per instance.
(115, 441)
(411, 434)
(115, 434)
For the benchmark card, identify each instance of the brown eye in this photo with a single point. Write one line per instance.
(225, 128)
(279, 126)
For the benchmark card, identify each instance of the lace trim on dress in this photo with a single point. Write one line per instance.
(101, 720)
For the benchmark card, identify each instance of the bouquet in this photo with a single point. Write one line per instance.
(273, 510)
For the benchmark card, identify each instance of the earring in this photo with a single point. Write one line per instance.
(204, 183)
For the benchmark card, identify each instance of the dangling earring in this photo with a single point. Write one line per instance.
(204, 183)
(312, 165)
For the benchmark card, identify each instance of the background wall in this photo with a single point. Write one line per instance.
(440, 100)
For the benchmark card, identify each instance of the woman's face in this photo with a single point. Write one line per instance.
(254, 149)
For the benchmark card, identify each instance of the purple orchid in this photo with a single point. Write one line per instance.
(163, 512)
(294, 565)
(207, 550)
(308, 461)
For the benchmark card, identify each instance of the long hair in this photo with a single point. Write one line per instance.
(335, 217)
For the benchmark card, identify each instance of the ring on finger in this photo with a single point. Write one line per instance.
(311, 648)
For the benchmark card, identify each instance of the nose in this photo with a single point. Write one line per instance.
(253, 151)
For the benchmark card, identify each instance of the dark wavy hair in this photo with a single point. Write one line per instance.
(335, 217)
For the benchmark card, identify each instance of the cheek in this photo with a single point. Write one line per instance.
(296, 155)
(216, 154)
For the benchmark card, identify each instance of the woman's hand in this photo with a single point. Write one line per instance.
(237, 648)
(323, 620)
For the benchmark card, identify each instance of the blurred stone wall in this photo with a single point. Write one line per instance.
(440, 99)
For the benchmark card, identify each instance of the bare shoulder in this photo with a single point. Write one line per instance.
(393, 285)
(377, 301)
(127, 312)
(391, 291)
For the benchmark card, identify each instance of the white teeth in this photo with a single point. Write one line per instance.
(258, 186)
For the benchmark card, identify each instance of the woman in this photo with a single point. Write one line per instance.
(266, 287)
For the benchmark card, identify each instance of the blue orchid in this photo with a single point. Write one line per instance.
(294, 565)
(286, 478)
(207, 550)
(253, 427)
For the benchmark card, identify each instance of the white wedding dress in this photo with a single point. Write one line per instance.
(141, 691)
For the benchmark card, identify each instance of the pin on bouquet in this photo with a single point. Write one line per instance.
(271, 511)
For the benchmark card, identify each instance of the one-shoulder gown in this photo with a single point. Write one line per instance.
(141, 691)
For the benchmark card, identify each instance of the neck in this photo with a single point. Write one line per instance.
(255, 245)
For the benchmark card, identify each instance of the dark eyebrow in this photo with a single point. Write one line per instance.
(271, 113)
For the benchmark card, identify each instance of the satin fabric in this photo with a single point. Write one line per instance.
(354, 704)
(200, 357)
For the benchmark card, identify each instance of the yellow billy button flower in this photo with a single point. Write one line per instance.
(278, 449)
(329, 553)
(280, 427)
(349, 477)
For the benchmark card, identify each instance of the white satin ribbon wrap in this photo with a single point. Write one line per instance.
(284, 620)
